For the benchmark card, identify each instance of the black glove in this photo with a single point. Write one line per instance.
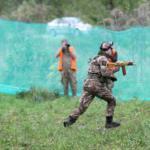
(113, 78)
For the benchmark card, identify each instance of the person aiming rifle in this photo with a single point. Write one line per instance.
(96, 86)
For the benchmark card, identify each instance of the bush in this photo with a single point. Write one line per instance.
(31, 12)
(36, 94)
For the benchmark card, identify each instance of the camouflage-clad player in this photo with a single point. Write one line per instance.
(96, 86)
(112, 57)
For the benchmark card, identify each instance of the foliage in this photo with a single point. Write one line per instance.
(35, 94)
(93, 11)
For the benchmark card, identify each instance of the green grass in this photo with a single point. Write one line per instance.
(37, 125)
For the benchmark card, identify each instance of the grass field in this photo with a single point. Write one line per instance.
(37, 125)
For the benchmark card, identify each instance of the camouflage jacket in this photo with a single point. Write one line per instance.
(98, 68)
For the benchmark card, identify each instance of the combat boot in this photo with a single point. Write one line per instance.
(110, 123)
(69, 121)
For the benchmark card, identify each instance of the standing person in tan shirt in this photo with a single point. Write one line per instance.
(67, 67)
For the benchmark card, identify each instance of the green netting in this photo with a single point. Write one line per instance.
(27, 56)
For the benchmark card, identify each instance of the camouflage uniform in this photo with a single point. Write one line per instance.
(110, 84)
(68, 76)
(96, 85)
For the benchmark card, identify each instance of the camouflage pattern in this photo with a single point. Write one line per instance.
(96, 86)
(109, 84)
(68, 77)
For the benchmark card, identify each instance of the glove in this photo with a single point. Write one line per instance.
(113, 78)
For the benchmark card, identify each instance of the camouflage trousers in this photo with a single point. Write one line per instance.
(69, 78)
(93, 88)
